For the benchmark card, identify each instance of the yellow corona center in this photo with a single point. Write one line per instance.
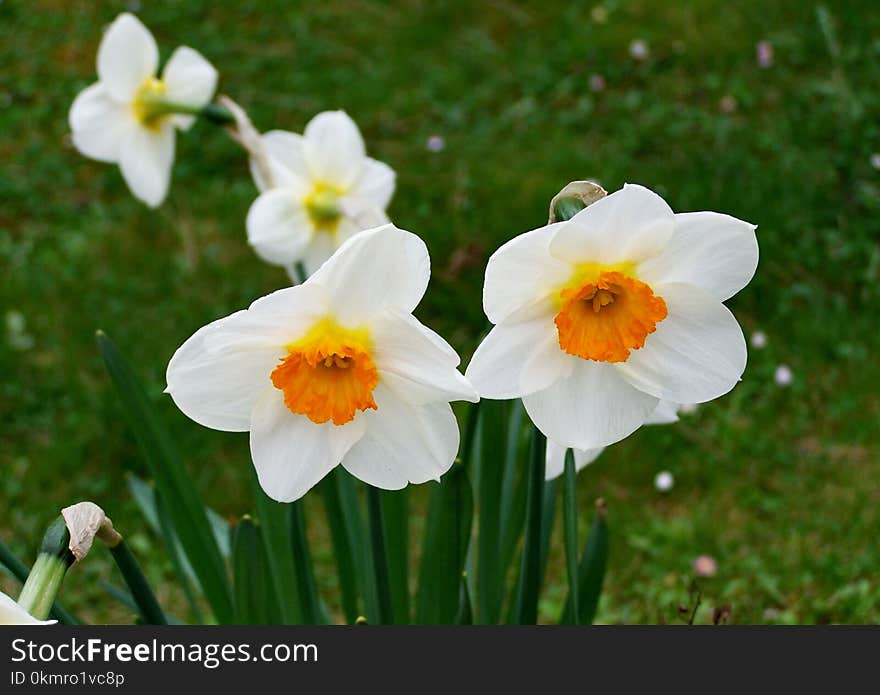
(606, 313)
(328, 374)
(146, 102)
(322, 204)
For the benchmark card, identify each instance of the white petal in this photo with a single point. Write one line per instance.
(290, 452)
(285, 154)
(320, 248)
(375, 186)
(555, 459)
(716, 252)
(697, 353)
(521, 272)
(377, 268)
(127, 56)
(415, 362)
(631, 224)
(189, 79)
(665, 414)
(292, 311)
(519, 358)
(216, 376)
(13, 614)
(403, 443)
(279, 227)
(100, 123)
(591, 408)
(145, 161)
(334, 149)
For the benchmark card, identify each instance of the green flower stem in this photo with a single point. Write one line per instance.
(20, 571)
(44, 580)
(213, 113)
(566, 208)
(380, 556)
(143, 595)
(530, 572)
(570, 529)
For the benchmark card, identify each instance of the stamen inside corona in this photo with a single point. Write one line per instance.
(328, 374)
(605, 317)
(322, 204)
(148, 104)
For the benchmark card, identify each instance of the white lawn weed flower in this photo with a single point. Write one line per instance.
(128, 116)
(600, 317)
(759, 340)
(664, 414)
(13, 614)
(783, 376)
(334, 370)
(664, 481)
(324, 189)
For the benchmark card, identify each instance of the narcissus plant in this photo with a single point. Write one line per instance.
(130, 115)
(334, 370)
(318, 189)
(600, 317)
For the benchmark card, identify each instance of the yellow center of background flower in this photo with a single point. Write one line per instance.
(328, 374)
(322, 204)
(147, 102)
(605, 317)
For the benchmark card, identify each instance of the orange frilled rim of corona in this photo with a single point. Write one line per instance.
(606, 317)
(328, 375)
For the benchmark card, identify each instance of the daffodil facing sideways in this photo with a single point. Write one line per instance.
(554, 462)
(334, 370)
(13, 614)
(130, 115)
(600, 317)
(317, 190)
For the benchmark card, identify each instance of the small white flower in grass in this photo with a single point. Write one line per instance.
(435, 143)
(758, 340)
(324, 190)
(727, 104)
(875, 161)
(705, 566)
(764, 54)
(783, 375)
(638, 49)
(334, 370)
(664, 481)
(13, 614)
(124, 119)
(600, 317)
(664, 414)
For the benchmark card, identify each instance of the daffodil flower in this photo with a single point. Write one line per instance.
(665, 413)
(129, 116)
(334, 370)
(323, 190)
(601, 316)
(13, 614)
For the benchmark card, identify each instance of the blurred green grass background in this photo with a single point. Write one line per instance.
(780, 485)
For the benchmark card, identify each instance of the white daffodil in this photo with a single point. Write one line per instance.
(600, 317)
(323, 190)
(127, 117)
(334, 370)
(13, 614)
(664, 414)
